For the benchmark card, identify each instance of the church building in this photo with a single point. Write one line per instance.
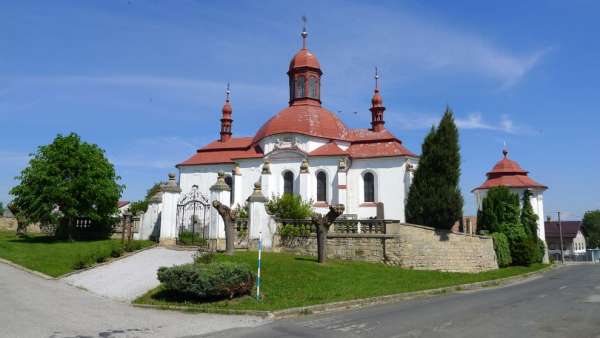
(307, 150)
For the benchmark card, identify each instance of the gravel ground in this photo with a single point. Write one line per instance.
(35, 307)
(130, 277)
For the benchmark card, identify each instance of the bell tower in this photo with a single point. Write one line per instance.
(377, 108)
(305, 75)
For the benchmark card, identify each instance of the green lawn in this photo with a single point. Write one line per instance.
(44, 254)
(293, 281)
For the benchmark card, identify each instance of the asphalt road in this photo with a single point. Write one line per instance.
(31, 306)
(563, 303)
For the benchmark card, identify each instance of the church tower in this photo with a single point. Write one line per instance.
(305, 76)
(377, 108)
(226, 120)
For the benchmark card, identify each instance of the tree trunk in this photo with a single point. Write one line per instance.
(228, 216)
(323, 223)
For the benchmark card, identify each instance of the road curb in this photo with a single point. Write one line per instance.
(22, 268)
(359, 303)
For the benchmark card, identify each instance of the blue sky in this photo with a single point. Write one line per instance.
(145, 79)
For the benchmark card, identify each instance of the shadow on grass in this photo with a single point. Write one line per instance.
(171, 296)
(308, 259)
(50, 239)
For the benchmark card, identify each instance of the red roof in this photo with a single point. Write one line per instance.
(121, 204)
(389, 148)
(308, 119)
(304, 58)
(509, 173)
(329, 149)
(219, 152)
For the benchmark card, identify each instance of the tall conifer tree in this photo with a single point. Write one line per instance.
(434, 198)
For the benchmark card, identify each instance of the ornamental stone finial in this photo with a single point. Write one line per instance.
(257, 195)
(266, 168)
(171, 185)
(236, 169)
(304, 166)
(342, 165)
(220, 185)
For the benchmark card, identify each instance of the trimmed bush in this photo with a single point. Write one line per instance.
(116, 251)
(204, 257)
(208, 281)
(502, 249)
(524, 251)
(291, 230)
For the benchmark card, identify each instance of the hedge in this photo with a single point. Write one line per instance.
(502, 249)
(524, 251)
(208, 281)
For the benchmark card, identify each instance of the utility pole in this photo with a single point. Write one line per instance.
(562, 254)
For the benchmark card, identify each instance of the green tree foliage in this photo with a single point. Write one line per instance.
(528, 218)
(499, 208)
(289, 206)
(434, 198)
(141, 206)
(591, 228)
(502, 249)
(66, 180)
(1, 208)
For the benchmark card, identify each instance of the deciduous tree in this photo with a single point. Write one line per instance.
(591, 228)
(322, 224)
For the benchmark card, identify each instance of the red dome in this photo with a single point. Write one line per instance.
(505, 166)
(509, 173)
(307, 119)
(304, 58)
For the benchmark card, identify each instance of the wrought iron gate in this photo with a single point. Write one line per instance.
(193, 217)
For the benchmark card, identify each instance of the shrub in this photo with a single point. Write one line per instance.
(204, 257)
(208, 281)
(502, 249)
(291, 230)
(524, 251)
(132, 246)
(116, 251)
(289, 206)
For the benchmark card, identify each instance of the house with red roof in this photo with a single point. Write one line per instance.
(307, 150)
(508, 173)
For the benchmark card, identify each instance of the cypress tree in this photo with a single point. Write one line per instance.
(528, 217)
(434, 198)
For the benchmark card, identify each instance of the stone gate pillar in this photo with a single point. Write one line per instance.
(265, 179)
(237, 186)
(304, 177)
(168, 217)
(258, 219)
(219, 191)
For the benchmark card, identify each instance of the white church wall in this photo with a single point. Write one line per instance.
(389, 187)
(204, 176)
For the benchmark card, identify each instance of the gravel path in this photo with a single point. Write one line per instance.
(35, 307)
(130, 277)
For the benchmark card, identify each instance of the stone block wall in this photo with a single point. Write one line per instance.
(10, 223)
(409, 246)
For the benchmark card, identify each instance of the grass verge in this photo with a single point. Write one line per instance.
(55, 258)
(292, 281)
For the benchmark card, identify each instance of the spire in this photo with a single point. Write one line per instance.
(505, 150)
(377, 108)
(226, 120)
(304, 34)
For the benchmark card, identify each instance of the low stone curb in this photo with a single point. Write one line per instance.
(45, 276)
(358, 303)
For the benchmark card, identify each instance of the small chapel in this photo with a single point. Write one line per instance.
(307, 150)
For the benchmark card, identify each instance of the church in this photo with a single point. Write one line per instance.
(307, 150)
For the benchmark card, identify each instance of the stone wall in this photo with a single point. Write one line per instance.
(404, 245)
(10, 223)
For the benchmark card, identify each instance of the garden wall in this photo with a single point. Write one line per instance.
(10, 223)
(404, 245)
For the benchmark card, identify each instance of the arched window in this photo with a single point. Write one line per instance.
(300, 86)
(321, 186)
(288, 182)
(229, 182)
(312, 88)
(369, 187)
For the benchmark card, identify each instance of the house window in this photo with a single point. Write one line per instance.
(313, 88)
(369, 187)
(288, 182)
(321, 186)
(229, 182)
(300, 84)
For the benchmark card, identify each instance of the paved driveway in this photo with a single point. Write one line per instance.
(130, 277)
(31, 306)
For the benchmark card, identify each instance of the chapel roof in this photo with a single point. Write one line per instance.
(329, 149)
(569, 228)
(219, 152)
(509, 173)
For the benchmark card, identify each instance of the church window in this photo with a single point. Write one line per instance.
(229, 182)
(369, 187)
(300, 87)
(288, 182)
(312, 88)
(321, 187)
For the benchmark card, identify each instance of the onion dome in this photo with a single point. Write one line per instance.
(226, 120)
(377, 108)
(305, 76)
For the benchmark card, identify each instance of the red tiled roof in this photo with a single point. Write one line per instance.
(329, 149)
(219, 152)
(121, 204)
(569, 228)
(509, 173)
(388, 148)
(363, 134)
(308, 119)
(304, 58)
